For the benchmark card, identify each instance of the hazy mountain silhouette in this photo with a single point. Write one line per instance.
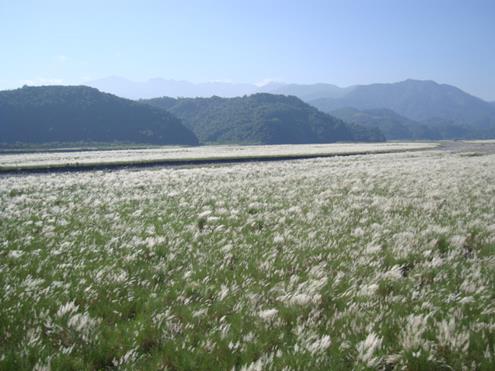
(308, 92)
(416, 100)
(158, 87)
(261, 119)
(413, 99)
(174, 88)
(82, 114)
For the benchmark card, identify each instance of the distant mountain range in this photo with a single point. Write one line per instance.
(69, 114)
(50, 114)
(444, 110)
(308, 93)
(439, 111)
(173, 88)
(289, 113)
(159, 87)
(414, 99)
(261, 119)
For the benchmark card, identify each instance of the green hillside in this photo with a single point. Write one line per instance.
(417, 100)
(81, 114)
(261, 119)
(397, 127)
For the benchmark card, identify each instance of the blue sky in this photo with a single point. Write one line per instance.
(341, 42)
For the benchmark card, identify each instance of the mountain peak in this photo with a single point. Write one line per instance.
(417, 81)
(415, 99)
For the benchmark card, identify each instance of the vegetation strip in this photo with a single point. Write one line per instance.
(183, 162)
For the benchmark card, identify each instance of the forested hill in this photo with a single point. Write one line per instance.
(414, 99)
(261, 119)
(397, 127)
(82, 114)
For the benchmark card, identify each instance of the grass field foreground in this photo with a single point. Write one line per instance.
(365, 262)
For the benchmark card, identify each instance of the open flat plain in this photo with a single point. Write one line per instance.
(376, 261)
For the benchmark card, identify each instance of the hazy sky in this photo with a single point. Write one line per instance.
(342, 42)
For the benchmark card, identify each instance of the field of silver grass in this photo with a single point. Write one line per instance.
(43, 159)
(366, 262)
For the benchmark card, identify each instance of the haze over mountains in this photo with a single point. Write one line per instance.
(423, 109)
(159, 87)
(427, 110)
(439, 111)
(417, 100)
(414, 99)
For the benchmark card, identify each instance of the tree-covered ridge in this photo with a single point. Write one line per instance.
(417, 100)
(83, 114)
(395, 126)
(261, 119)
